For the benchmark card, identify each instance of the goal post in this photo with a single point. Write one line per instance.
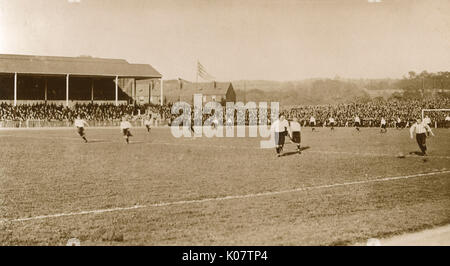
(439, 117)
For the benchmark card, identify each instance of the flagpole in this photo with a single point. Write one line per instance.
(245, 91)
(196, 81)
(179, 91)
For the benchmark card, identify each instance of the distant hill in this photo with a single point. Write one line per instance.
(310, 91)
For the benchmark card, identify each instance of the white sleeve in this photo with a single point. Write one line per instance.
(411, 130)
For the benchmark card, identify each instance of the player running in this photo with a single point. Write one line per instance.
(125, 127)
(383, 125)
(79, 124)
(357, 123)
(148, 122)
(215, 123)
(427, 120)
(447, 121)
(398, 124)
(280, 128)
(295, 133)
(422, 130)
(331, 122)
(312, 123)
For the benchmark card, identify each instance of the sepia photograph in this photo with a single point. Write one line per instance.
(225, 123)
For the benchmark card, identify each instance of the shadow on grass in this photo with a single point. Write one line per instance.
(418, 153)
(295, 152)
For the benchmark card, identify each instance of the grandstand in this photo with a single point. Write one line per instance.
(69, 80)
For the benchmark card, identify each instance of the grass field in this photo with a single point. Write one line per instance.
(345, 187)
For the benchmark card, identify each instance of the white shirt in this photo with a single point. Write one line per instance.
(420, 128)
(427, 120)
(357, 120)
(312, 119)
(399, 120)
(331, 120)
(147, 121)
(79, 123)
(447, 118)
(280, 126)
(295, 127)
(383, 122)
(125, 125)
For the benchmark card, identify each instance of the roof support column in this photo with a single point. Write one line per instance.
(117, 90)
(161, 84)
(134, 92)
(92, 90)
(150, 91)
(67, 90)
(45, 90)
(15, 88)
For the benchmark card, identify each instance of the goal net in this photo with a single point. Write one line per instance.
(437, 117)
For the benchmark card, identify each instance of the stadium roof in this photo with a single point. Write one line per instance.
(77, 66)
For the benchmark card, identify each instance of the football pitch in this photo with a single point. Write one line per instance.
(345, 188)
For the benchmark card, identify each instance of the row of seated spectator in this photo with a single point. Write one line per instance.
(97, 112)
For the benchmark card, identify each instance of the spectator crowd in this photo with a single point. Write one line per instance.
(370, 112)
(91, 112)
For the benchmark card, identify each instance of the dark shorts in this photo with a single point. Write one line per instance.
(126, 132)
(383, 126)
(422, 141)
(357, 124)
(331, 124)
(312, 123)
(279, 138)
(296, 137)
(80, 131)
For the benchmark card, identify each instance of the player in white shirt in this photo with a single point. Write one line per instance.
(157, 119)
(447, 121)
(295, 133)
(215, 123)
(148, 122)
(79, 124)
(427, 120)
(230, 122)
(125, 127)
(280, 128)
(312, 123)
(398, 123)
(422, 130)
(383, 125)
(331, 122)
(357, 122)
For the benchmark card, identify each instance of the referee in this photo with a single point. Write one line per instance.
(422, 130)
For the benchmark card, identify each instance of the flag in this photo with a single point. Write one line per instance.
(201, 72)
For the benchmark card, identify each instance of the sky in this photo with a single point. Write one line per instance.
(239, 39)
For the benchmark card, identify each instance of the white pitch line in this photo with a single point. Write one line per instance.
(377, 154)
(231, 197)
